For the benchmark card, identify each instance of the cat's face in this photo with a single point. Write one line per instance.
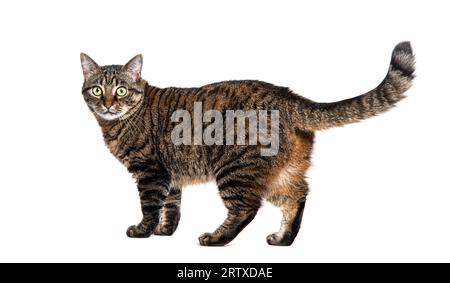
(112, 92)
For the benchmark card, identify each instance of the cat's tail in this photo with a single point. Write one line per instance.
(318, 116)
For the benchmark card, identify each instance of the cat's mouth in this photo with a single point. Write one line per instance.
(108, 112)
(109, 115)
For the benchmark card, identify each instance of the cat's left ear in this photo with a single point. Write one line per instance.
(133, 67)
(89, 66)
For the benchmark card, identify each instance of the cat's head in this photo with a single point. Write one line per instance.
(112, 92)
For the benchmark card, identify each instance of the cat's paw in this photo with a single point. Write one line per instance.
(210, 239)
(276, 239)
(165, 230)
(137, 232)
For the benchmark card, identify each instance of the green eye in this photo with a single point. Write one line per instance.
(96, 91)
(121, 91)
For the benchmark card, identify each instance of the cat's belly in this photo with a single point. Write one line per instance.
(189, 171)
(184, 181)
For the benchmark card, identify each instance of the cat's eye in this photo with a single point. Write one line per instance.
(96, 91)
(121, 91)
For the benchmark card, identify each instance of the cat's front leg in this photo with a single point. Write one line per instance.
(153, 191)
(170, 213)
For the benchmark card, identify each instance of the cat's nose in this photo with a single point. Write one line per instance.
(108, 104)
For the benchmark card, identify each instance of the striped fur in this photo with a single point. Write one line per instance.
(318, 116)
(137, 130)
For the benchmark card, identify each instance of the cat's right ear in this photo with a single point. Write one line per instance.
(89, 66)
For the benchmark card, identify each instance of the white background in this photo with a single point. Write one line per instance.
(379, 189)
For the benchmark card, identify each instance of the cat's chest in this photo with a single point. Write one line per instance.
(116, 149)
(129, 152)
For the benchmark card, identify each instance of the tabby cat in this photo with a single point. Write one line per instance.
(136, 121)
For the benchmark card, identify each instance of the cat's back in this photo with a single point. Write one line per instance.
(242, 94)
(242, 85)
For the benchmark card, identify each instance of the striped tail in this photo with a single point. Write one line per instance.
(319, 116)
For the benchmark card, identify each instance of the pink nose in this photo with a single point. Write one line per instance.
(108, 104)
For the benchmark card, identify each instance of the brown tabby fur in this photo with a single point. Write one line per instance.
(141, 140)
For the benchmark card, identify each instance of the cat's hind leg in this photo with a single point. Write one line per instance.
(288, 189)
(292, 209)
(242, 202)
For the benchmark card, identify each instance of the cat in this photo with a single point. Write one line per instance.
(136, 121)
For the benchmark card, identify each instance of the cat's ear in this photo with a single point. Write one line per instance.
(133, 67)
(89, 66)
